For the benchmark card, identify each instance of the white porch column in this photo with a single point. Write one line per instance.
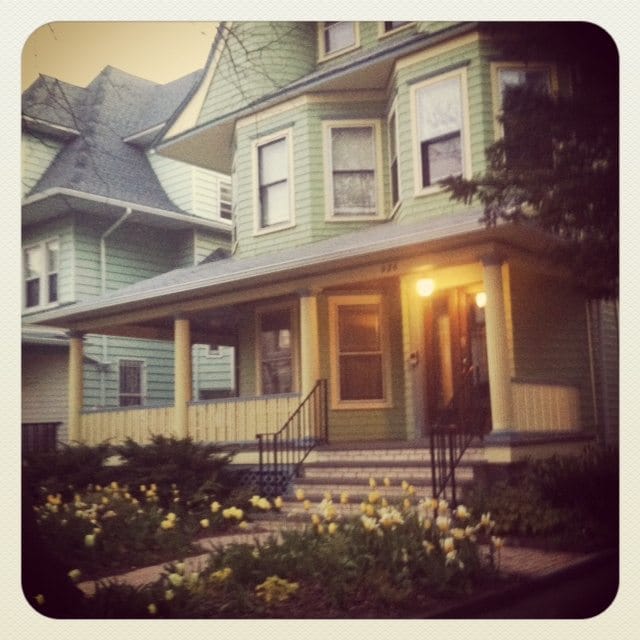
(497, 347)
(75, 386)
(182, 377)
(309, 346)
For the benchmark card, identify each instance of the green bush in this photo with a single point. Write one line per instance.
(564, 501)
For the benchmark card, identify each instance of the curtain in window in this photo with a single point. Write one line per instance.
(353, 163)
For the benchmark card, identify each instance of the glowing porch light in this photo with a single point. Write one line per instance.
(481, 299)
(425, 287)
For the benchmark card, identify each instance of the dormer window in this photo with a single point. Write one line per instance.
(336, 38)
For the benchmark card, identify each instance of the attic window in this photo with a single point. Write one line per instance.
(337, 37)
(394, 24)
(225, 201)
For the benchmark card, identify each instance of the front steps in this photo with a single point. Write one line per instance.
(336, 469)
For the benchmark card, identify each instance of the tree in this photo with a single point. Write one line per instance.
(556, 165)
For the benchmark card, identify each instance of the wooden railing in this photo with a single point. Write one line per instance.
(225, 420)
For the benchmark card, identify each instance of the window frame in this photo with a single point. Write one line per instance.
(225, 200)
(394, 157)
(323, 54)
(263, 141)
(465, 135)
(335, 302)
(292, 308)
(327, 128)
(496, 93)
(383, 32)
(143, 382)
(44, 276)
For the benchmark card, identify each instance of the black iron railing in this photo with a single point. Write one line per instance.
(39, 437)
(466, 418)
(282, 453)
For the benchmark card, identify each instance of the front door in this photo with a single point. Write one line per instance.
(456, 361)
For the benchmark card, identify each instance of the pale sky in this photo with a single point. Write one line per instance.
(76, 52)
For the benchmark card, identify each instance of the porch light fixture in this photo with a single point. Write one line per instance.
(425, 287)
(481, 299)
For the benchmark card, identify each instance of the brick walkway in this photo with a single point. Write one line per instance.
(520, 561)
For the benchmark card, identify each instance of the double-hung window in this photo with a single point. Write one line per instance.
(527, 137)
(41, 274)
(225, 201)
(359, 352)
(274, 188)
(337, 37)
(131, 383)
(441, 129)
(352, 161)
(392, 127)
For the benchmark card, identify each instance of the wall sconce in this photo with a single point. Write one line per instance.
(425, 287)
(481, 299)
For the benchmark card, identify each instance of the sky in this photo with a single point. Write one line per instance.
(76, 52)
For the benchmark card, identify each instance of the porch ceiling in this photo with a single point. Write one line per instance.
(208, 293)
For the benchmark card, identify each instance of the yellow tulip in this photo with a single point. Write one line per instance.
(204, 523)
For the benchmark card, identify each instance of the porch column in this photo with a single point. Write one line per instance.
(75, 386)
(182, 375)
(497, 348)
(309, 347)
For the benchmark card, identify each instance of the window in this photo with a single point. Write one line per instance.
(393, 25)
(131, 383)
(41, 274)
(360, 367)
(518, 88)
(225, 200)
(352, 180)
(392, 127)
(276, 351)
(337, 37)
(274, 193)
(441, 131)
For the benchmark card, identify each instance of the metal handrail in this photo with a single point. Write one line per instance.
(282, 453)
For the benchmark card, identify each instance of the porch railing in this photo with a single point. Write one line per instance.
(282, 453)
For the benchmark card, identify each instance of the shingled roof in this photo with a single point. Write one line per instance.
(94, 122)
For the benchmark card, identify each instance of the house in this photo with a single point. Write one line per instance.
(351, 265)
(100, 211)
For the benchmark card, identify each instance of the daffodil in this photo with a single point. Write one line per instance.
(300, 494)
(175, 579)
(89, 540)
(74, 574)
(498, 543)
(372, 483)
(386, 482)
(181, 567)
(374, 497)
(254, 500)
(447, 544)
(263, 504)
(369, 524)
(462, 512)
(328, 495)
(167, 524)
(204, 523)
(315, 519)
(333, 527)
(215, 507)
(443, 523)
(243, 525)
(278, 502)
(344, 497)
(306, 505)
(152, 609)
(428, 547)
(458, 533)
(169, 594)
(171, 516)
(221, 575)
(39, 599)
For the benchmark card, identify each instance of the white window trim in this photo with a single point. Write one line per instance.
(295, 340)
(496, 94)
(229, 201)
(394, 111)
(324, 55)
(327, 127)
(386, 402)
(465, 139)
(44, 276)
(257, 228)
(385, 34)
(143, 381)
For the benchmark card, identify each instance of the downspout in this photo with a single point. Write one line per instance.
(103, 290)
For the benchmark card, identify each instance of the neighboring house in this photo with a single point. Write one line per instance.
(100, 211)
(351, 264)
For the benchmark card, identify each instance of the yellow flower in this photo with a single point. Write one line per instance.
(370, 510)
(307, 505)
(406, 503)
(462, 512)
(204, 523)
(344, 497)
(264, 504)
(411, 490)
(328, 496)
(276, 589)
(89, 540)
(254, 500)
(278, 503)
(54, 500)
(498, 543)
(221, 575)
(243, 525)
(428, 547)
(458, 534)
(114, 485)
(300, 494)
(443, 523)
(333, 527)
(171, 516)
(315, 518)
(167, 524)
(386, 482)
(152, 609)
(143, 488)
(74, 574)
(369, 524)
(154, 487)
(180, 567)
(39, 599)
(175, 579)
(374, 497)
(447, 545)
(443, 507)
(215, 507)
(372, 483)
(169, 594)
(404, 485)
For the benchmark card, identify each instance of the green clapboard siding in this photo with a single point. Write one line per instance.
(37, 155)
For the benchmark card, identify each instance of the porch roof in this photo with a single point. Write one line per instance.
(384, 242)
